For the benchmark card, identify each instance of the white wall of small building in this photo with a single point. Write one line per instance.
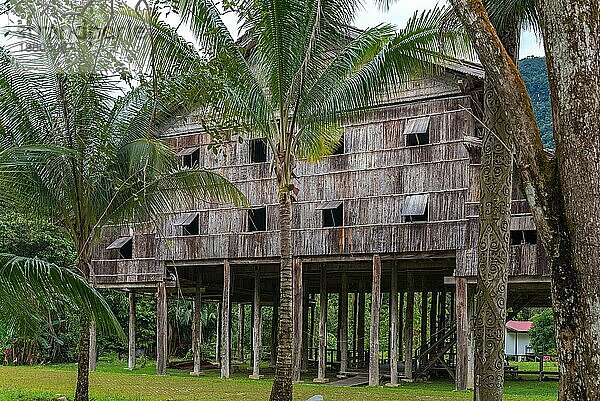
(517, 343)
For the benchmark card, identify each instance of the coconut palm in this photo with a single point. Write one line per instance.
(30, 288)
(296, 71)
(77, 147)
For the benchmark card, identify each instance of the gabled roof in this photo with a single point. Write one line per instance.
(519, 326)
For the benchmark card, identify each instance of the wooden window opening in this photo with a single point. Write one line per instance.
(523, 237)
(417, 131)
(340, 149)
(124, 245)
(189, 223)
(333, 213)
(416, 208)
(258, 150)
(257, 219)
(190, 157)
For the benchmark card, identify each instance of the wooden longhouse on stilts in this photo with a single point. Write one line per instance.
(395, 209)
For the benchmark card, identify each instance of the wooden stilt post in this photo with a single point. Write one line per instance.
(442, 310)
(93, 347)
(471, 340)
(161, 329)
(312, 325)
(433, 315)
(274, 330)
(218, 336)
(408, 330)
(322, 356)
(197, 333)
(354, 328)
(361, 325)
(424, 301)
(226, 322)
(241, 357)
(131, 356)
(305, 313)
(394, 327)
(298, 311)
(462, 334)
(343, 324)
(401, 325)
(374, 332)
(256, 329)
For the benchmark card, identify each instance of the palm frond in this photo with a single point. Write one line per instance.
(30, 288)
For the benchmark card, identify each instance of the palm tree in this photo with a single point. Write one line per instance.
(75, 152)
(297, 70)
(30, 288)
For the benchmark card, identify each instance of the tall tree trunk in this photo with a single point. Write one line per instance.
(282, 386)
(562, 192)
(83, 359)
(571, 31)
(494, 235)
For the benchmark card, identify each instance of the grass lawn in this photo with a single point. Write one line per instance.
(111, 382)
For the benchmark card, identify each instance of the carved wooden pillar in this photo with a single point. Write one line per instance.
(131, 339)
(161, 329)
(494, 233)
(322, 357)
(374, 332)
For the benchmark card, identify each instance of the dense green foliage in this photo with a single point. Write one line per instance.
(543, 339)
(535, 75)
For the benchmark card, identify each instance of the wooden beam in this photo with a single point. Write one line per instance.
(256, 328)
(394, 327)
(354, 327)
(462, 334)
(374, 332)
(131, 339)
(322, 357)
(93, 347)
(197, 334)
(408, 330)
(298, 311)
(343, 325)
(401, 325)
(161, 329)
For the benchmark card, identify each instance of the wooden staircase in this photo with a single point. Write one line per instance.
(436, 353)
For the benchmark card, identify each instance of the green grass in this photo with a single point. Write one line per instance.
(111, 382)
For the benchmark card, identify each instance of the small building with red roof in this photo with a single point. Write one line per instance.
(517, 342)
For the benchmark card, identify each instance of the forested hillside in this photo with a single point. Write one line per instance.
(535, 75)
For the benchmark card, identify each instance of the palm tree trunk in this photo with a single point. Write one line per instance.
(83, 361)
(282, 386)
